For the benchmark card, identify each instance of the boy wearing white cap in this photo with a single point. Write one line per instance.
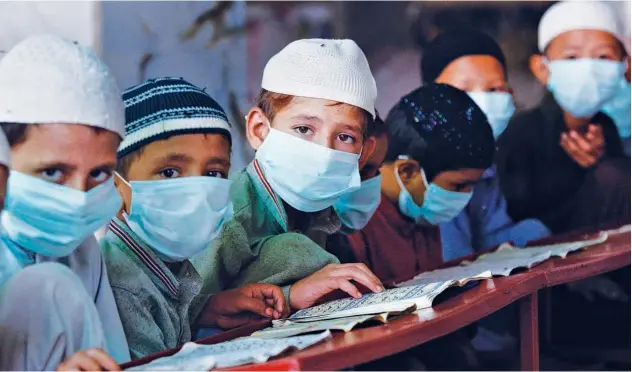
(563, 162)
(63, 116)
(309, 129)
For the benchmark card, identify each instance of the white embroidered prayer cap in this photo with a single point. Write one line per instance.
(573, 15)
(48, 79)
(335, 70)
(5, 151)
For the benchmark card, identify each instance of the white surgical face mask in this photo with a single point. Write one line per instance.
(307, 176)
(498, 108)
(356, 208)
(439, 205)
(179, 217)
(582, 86)
(51, 219)
(618, 108)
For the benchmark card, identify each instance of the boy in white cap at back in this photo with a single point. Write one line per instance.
(309, 127)
(562, 162)
(63, 117)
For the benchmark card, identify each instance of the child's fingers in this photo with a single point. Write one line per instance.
(355, 273)
(272, 294)
(103, 359)
(583, 158)
(346, 286)
(253, 305)
(368, 271)
(581, 142)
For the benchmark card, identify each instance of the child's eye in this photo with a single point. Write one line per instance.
(214, 173)
(99, 175)
(51, 175)
(302, 130)
(345, 138)
(169, 173)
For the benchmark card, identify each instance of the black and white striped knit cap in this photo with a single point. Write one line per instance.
(163, 107)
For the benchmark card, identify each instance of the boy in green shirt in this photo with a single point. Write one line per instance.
(309, 127)
(172, 175)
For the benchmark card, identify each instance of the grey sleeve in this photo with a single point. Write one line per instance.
(143, 333)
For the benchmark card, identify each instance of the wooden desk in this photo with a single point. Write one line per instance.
(610, 255)
(367, 344)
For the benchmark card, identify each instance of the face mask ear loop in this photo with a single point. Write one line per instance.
(117, 174)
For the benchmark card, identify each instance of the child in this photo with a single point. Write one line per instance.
(473, 62)
(562, 162)
(440, 143)
(171, 174)
(309, 130)
(356, 208)
(63, 116)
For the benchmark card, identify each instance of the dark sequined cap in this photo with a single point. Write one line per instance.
(442, 128)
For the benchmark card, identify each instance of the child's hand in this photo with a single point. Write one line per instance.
(89, 360)
(307, 291)
(586, 149)
(239, 306)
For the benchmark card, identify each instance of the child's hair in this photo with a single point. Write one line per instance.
(440, 127)
(271, 103)
(378, 128)
(163, 107)
(16, 132)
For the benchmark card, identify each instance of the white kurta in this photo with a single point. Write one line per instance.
(46, 315)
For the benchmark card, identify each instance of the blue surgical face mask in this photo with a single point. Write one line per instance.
(618, 108)
(439, 205)
(498, 108)
(51, 219)
(179, 218)
(356, 208)
(307, 176)
(582, 86)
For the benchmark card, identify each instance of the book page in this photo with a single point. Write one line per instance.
(289, 328)
(196, 357)
(459, 274)
(389, 300)
(556, 250)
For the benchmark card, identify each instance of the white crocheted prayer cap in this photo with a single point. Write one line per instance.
(577, 15)
(47, 79)
(5, 151)
(335, 70)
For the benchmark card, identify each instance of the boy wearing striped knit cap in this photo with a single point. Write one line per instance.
(309, 126)
(172, 176)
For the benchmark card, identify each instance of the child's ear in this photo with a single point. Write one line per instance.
(367, 150)
(125, 192)
(539, 69)
(407, 170)
(256, 127)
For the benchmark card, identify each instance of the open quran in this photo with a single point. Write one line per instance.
(502, 262)
(196, 357)
(388, 301)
